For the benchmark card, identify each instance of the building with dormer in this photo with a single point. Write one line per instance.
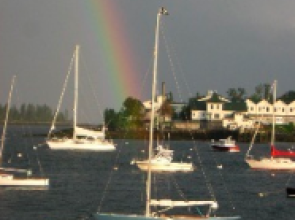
(233, 115)
(214, 108)
(264, 110)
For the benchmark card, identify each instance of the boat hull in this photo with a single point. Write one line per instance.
(226, 145)
(165, 167)
(69, 144)
(225, 148)
(106, 216)
(271, 164)
(12, 181)
(290, 192)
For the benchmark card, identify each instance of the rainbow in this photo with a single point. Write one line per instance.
(111, 36)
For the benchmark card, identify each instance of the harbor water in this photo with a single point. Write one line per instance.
(82, 183)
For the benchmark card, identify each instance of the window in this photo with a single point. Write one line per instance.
(216, 116)
(212, 106)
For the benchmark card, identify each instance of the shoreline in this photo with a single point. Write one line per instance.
(202, 135)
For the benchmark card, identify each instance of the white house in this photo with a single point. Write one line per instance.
(263, 111)
(214, 107)
(237, 121)
(158, 103)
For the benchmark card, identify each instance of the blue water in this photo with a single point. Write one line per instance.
(83, 182)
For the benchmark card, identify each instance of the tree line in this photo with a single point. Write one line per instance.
(132, 113)
(31, 113)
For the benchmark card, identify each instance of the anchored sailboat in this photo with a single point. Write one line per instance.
(162, 162)
(12, 176)
(83, 138)
(273, 162)
(166, 204)
(162, 156)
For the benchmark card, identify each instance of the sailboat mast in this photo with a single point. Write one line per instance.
(273, 112)
(162, 11)
(6, 119)
(76, 92)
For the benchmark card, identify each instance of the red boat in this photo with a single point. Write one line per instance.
(227, 145)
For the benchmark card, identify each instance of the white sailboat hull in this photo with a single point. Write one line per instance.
(159, 166)
(10, 180)
(106, 216)
(70, 144)
(272, 164)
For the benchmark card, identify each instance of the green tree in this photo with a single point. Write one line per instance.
(262, 91)
(288, 96)
(111, 119)
(185, 113)
(236, 95)
(170, 96)
(166, 108)
(31, 113)
(132, 113)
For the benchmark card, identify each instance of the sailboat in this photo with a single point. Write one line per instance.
(167, 204)
(275, 161)
(12, 176)
(83, 138)
(162, 161)
(162, 156)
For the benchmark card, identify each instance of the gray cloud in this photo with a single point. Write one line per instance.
(214, 45)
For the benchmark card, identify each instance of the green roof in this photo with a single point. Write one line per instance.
(232, 106)
(215, 98)
(235, 106)
(199, 105)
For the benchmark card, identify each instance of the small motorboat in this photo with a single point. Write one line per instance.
(227, 145)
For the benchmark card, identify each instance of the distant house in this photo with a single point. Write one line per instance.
(158, 103)
(263, 110)
(160, 117)
(211, 107)
(237, 121)
(243, 114)
(215, 108)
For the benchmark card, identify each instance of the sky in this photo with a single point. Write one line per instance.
(203, 45)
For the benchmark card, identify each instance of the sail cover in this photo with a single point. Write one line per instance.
(276, 152)
(171, 203)
(89, 133)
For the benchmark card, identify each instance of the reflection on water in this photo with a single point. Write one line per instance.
(29, 188)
